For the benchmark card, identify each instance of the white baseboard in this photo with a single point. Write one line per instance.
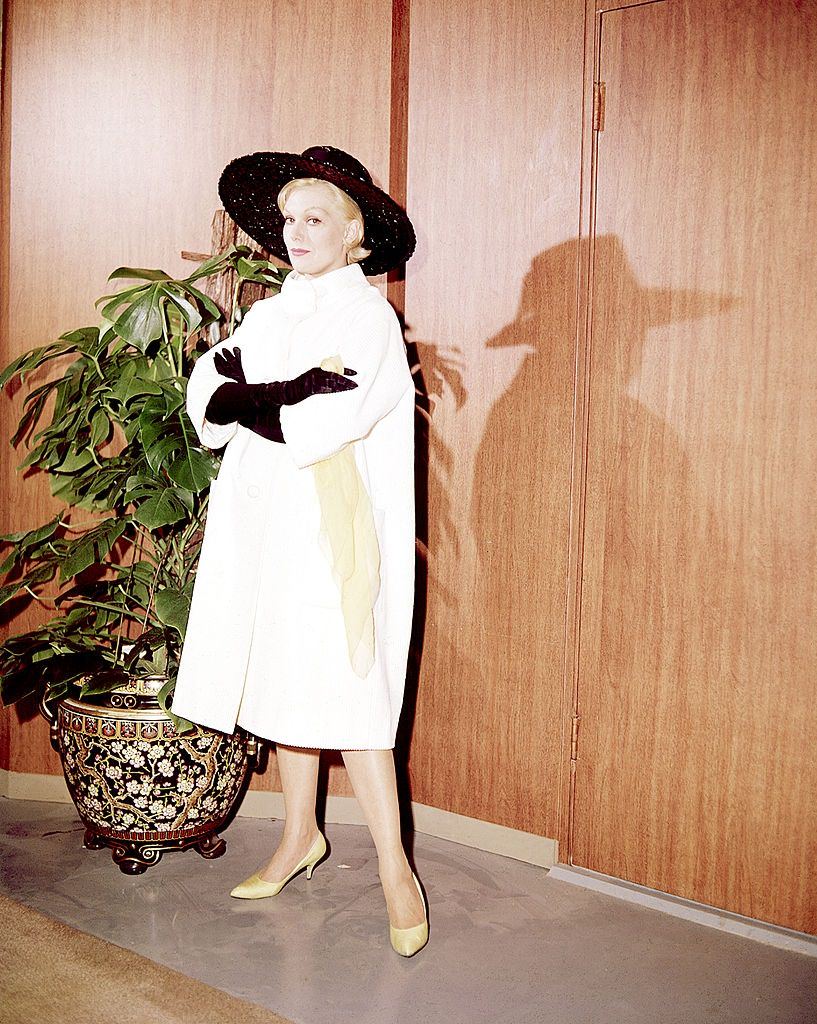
(485, 835)
(340, 810)
(27, 786)
(481, 835)
(700, 913)
(431, 821)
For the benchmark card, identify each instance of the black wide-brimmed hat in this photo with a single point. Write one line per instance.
(249, 187)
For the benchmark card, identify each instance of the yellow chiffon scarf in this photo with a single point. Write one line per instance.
(349, 540)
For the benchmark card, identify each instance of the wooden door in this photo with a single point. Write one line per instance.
(493, 188)
(696, 769)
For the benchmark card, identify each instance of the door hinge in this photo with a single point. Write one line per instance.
(599, 90)
(574, 738)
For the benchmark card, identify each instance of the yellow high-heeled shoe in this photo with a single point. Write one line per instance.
(408, 941)
(256, 888)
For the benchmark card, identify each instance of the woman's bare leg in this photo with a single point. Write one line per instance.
(373, 780)
(298, 767)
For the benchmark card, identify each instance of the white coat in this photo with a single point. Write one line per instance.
(266, 646)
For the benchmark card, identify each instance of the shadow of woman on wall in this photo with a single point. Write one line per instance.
(522, 486)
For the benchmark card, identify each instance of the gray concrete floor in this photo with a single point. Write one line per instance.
(508, 944)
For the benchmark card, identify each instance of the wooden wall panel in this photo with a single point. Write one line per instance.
(118, 120)
(495, 107)
(697, 767)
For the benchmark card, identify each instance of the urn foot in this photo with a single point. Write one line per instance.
(91, 841)
(134, 858)
(212, 846)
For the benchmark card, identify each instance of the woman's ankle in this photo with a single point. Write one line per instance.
(299, 835)
(394, 868)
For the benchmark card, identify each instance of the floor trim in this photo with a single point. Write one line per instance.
(340, 810)
(28, 786)
(700, 913)
(431, 821)
(481, 835)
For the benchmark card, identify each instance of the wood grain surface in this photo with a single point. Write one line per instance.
(615, 334)
(696, 771)
(494, 157)
(118, 119)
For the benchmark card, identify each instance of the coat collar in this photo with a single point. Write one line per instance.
(300, 295)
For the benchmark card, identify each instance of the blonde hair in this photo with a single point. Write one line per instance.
(341, 203)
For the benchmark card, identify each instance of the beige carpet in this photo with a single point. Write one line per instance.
(53, 974)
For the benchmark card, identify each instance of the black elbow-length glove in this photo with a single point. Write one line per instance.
(258, 406)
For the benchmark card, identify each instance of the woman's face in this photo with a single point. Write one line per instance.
(314, 234)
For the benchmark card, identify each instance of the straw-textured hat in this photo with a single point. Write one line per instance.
(249, 187)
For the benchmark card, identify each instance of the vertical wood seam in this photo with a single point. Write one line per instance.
(398, 131)
(581, 402)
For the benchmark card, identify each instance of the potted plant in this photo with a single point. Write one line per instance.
(117, 563)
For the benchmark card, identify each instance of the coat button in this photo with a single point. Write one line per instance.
(253, 491)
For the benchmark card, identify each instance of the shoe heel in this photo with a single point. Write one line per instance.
(256, 888)
(320, 842)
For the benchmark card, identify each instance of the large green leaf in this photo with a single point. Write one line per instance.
(28, 538)
(100, 428)
(173, 607)
(84, 339)
(205, 300)
(191, 315)
(171, 444)
(117, 299)
(218, 263)
(103, 682)
(135, 380)
(139, 272)
(92, 547)
(141, 321)
(194, 471)
(161, 510)
(73, 461)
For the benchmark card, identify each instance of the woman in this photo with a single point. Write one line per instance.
(301, 614)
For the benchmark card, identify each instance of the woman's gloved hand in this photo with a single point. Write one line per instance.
(229, 365)
(258, 406)
(313, 382)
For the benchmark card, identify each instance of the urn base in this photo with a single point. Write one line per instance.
(141, 788)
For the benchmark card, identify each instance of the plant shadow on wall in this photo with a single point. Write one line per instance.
(522, 479)
(437, 371)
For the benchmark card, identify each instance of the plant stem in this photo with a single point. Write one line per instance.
(137, 550)
(39, 600)
(234, 306)
(105, 607)
(153, 588)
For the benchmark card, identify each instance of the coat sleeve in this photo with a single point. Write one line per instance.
(322, 425)
(205, 380)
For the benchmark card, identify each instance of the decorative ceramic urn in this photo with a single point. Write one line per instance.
(140, 787)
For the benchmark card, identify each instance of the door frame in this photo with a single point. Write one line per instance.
(594, 9)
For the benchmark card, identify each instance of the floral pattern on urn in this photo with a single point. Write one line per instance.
(142, 788)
